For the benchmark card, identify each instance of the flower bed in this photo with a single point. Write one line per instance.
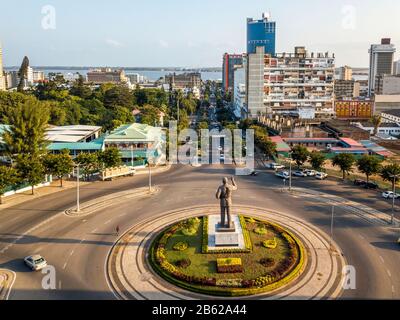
(211, 273)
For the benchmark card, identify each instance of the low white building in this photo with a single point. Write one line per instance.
(391, 129)
(391, 115)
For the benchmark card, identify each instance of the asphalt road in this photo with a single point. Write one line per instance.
(78, 247)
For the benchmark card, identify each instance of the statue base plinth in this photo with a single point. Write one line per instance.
(226, 228)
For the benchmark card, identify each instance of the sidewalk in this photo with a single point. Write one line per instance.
(55, 187)
(367, 213)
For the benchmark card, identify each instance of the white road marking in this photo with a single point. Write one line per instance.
(72, 252)
(389, 273)
(83, 240)
(380, 257)
(122, 215)
(65, 265)
(107, 222)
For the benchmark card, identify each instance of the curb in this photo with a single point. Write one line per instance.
(7, 279)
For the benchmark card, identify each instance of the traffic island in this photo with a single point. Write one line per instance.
(7, 279)
(246, 263)
(167, 258)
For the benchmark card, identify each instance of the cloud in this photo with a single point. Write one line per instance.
(114, 43)
(163, 44)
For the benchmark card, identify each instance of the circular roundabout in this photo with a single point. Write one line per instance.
(177, 256)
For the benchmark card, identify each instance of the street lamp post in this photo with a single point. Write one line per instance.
(395, 177)
(78, 209)
(290, 172)
(332, 217)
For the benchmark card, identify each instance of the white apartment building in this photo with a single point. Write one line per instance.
(239, 92)
(296, 84)
(396, 67)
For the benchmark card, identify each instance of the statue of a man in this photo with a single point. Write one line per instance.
(224, 194)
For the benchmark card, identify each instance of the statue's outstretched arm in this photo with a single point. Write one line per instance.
(234, 185)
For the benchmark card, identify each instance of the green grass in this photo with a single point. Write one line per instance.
(205, 265)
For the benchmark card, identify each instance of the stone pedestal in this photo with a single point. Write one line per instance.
(227, 239)
(225, 228)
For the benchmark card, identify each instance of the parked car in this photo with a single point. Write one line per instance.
(359, 182)
(35, 262)
(389, 195)
(371, 185)
(310, 173)
(299, 174)
(321, 176)
(276, 166)
(283, 174)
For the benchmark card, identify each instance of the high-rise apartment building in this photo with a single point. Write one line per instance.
(228, 70)
(396, 68)
(381, 62)
(2, 78)
(344, 73)
(261, 33)
(387, 84)
(347, 89)
(297, 84)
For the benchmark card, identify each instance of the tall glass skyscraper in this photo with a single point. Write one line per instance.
(261, 33)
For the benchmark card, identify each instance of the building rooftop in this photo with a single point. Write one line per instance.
(76, 133)
(134, 132)
(368, 124)
(394, 112)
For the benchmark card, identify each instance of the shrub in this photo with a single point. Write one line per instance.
(230, 265)
(267, 262)
(229, 283)
(189, 232)
(184, 263)
(270, 244)
(180, 246)
(261, 231)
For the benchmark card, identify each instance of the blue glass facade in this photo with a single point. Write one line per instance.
(261, 33)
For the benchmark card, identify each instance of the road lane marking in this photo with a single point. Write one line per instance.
(72, 252)
(65, 265)
(122, 215)
(389, 273)
(380, 257)
(107, 222)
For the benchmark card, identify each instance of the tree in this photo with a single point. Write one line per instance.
(80, 90)
(345, 162)
(31, 169)
(23, 71)
(300, 154)
(27, 133)
(8, 177)
(58, 165)
(369, 165)
(376, 121)
(391, 173)
(118, 95)
(317, 160)
(267, 146)
(110, 158)
(88, 163)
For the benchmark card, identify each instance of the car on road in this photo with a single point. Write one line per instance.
(282, 174)
(359, 182)
(310, 173)
(276, 166)
(321, 176)
(299, 174)
(35, 262)
(390, 194)
(371, 185)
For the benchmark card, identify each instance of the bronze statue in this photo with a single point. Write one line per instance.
(224, 194)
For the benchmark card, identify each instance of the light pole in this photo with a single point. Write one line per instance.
(395, 177)
(132, 156)
(290, 172)
(332, 217)
(78, 209)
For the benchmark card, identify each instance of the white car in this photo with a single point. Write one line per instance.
(276, 166)
(283, 175)
(299, 174)
(389, 195)
(310, 173)
(321, 176)
(35, 262)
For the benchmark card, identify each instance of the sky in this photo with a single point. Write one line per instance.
(186, 33)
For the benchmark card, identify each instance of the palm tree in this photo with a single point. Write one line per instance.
(376, 121)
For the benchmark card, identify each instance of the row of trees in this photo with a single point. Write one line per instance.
(368, 165)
